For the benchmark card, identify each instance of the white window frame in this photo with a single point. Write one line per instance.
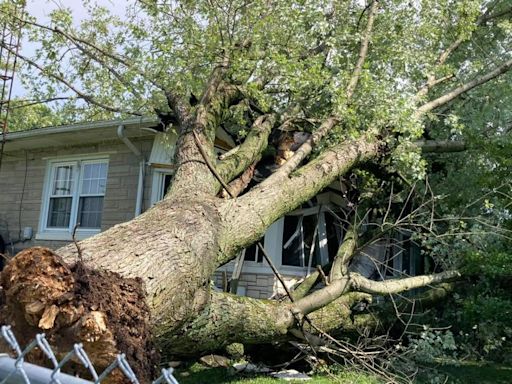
(66, 234)
(157, 184)
(273, 244)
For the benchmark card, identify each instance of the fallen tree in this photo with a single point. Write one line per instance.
(148, 280)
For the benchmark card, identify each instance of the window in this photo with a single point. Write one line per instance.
(310, 239)
(74, 197)
(161, 181)
(253, 253)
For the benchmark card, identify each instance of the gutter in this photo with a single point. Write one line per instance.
(142, 168)
(80, 127)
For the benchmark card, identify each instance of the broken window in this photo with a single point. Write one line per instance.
(253, 253)
(310, 238)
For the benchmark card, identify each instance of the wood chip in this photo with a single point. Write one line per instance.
(48, 319)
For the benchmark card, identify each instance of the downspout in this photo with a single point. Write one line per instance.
(142, 165)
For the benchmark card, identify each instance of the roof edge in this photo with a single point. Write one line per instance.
(143, 120)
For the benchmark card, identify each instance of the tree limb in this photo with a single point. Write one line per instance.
(386, 287)
(246, 222)
(29, 103)
(441, 146)
(253, 145)
(88, 98)
(238, 185)
(363, 51)
(462, 89)
(75, 40)
(344, 255)
(306, 148)
(210, 165)
(441, 60)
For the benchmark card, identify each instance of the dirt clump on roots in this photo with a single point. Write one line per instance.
(104, 311)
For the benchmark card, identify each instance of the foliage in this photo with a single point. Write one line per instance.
(431, 344)
(303, 52)
(35, 116)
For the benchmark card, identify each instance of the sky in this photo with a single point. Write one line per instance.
(42, 8)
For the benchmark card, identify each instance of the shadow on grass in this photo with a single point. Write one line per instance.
(476, 372)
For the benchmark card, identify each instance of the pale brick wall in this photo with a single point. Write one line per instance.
(257, 285)
(121, 192)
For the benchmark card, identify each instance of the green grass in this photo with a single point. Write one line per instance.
(202, 375)
(461, 373)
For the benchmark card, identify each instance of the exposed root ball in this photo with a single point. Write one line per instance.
(101, 309)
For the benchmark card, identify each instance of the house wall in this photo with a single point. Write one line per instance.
(20, 201)
(257, 285)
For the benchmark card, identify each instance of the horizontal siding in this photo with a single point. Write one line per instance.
(120, 196)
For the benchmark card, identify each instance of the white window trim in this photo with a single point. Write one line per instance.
(65, 234)
(157, 184)
(273, 243)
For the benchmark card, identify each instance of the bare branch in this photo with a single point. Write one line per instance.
(462, 89)
(362, 284)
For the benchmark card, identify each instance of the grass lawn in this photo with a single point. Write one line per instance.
(463, 373)
(202, 375)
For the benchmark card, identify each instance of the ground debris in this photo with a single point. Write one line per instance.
(215, 361)
(250, 368)
(290, 374)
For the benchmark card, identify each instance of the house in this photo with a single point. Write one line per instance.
(103, 173)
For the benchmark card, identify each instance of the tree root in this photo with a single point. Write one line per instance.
(104, 311)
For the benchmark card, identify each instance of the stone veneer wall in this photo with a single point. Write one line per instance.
(257, 285)
(120, 196)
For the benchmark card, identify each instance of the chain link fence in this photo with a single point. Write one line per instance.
(14, 370)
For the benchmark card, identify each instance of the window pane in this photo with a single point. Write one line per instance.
(292, 255)
(167, 183)
(298, 250)
(62, 180)
(253, 253)
(333, 228)
(59, 212)
(94, 179)
(89, 212)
